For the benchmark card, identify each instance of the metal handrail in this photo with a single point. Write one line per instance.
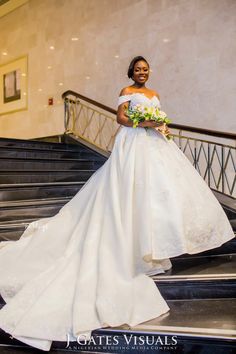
(214, 160)
(189, 128)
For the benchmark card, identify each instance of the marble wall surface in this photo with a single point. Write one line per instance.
(190, 45)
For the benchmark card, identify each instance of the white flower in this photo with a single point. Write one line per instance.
(162, 114)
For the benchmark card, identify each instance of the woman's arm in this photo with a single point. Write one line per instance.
(123, 119)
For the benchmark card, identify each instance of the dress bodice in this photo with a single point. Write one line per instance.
(139, 98)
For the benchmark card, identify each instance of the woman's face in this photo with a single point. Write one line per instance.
(141, 72)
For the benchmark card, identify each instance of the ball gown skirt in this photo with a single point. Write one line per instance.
(88, 266)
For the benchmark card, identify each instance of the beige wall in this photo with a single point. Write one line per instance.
(190, 45)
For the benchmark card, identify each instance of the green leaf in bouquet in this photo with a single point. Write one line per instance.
(167, 120)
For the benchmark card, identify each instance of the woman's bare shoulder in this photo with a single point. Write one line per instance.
(155, 93)
(126, 91)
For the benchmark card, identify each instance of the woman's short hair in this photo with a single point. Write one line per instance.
(132, 64)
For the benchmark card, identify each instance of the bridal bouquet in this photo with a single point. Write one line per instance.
(140, 113)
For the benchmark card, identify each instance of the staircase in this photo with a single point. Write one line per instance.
(38, 178)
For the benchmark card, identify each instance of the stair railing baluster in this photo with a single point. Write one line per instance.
(80, 121)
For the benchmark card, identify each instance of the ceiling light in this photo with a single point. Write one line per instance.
(23, 74)
(60, 84)
(4, 53)
(74, 39)
(166, 40)
(87, 77)
(116, 56)
(52, 47)
(40, 90)
(49, 67)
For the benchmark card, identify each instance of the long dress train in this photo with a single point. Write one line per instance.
(86, 267)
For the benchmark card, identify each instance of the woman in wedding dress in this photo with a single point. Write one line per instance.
(89, 266)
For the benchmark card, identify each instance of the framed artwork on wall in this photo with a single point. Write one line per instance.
(13, 85)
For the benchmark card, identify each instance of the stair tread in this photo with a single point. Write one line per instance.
(48, 159)
(199, 317)
(26, 150)
(194, 278)
(77, 149)
(13, 225)
(32, 140)
(201, 268)
(39, 184)
(33, 202)
(46, 170)
(225, 200)
(19, 221)
(35, 141)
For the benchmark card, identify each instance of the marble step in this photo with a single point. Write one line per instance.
(35, 144)
(213, 287)
(24, 152)
(199, 277)
(31, 209)
(11, 231)
(22, 164)
(37, 176)
(30, 191)
(191, 326)
(202, 266)
(200, 318)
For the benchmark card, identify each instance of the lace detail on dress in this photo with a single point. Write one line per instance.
(123, 99)
(139, 98)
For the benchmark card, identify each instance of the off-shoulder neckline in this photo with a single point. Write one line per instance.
(141, 93)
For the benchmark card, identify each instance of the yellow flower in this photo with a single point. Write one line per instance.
(150, 110)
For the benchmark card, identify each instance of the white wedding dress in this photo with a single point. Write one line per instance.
(87, 267)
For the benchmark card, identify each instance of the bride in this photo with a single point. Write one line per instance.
(88, 266)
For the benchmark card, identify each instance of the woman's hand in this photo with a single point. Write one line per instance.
(163, 129)
(150, 124)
